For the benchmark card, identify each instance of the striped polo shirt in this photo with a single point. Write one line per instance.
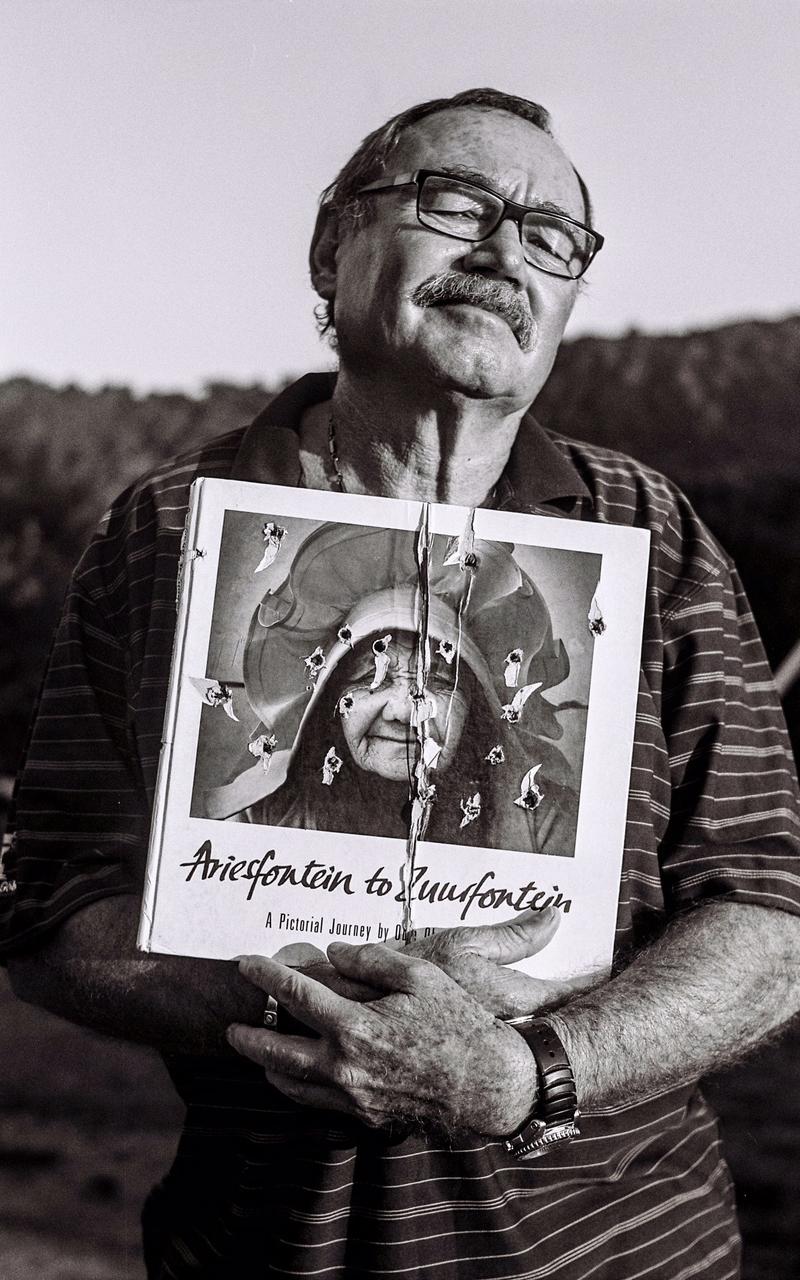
(263, 1187)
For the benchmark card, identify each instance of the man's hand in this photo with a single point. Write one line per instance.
(474, 957)
(425, 1050)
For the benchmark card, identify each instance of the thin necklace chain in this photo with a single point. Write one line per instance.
(333, 454)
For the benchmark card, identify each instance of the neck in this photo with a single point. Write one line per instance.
(453, 451)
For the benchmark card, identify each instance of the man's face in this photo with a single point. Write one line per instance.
(460, 346)
(378, 726)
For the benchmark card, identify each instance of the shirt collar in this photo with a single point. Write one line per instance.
(537, 473)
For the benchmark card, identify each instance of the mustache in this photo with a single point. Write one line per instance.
(492, 295)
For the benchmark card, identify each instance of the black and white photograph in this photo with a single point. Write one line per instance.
(399, 640)
(324, 668)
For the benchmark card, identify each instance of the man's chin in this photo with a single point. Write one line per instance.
(481, 371)
(471, 351)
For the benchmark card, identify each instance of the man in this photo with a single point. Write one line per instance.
(379, 1146)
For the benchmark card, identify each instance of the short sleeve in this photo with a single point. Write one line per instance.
(79, 821)
(734, 827)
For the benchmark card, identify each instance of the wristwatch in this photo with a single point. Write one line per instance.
(553, 1119)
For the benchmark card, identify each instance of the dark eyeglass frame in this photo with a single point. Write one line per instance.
(510, 209)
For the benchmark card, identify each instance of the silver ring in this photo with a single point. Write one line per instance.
(271, 1014)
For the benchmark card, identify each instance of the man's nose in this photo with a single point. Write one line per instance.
(500, 255)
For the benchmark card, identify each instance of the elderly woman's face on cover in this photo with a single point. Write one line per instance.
(378, 727)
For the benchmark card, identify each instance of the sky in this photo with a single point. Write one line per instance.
(162, 161)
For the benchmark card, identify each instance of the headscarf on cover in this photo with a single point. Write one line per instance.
(350, 582)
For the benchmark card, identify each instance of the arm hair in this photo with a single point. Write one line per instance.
(720, 980)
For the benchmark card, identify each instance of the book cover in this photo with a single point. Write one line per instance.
(391, 717)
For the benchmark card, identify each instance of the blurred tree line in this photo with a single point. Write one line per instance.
(718, 411)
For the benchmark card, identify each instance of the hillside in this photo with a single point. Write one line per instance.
(718, 410)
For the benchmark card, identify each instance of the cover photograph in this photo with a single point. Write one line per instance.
(391, 717)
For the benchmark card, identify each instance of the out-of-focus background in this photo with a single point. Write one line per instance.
(161, 166)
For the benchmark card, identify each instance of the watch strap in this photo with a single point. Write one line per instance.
(554, 1117)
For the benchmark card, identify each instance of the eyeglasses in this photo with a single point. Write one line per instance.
(468, 210)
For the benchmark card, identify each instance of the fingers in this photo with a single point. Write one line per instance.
(297, 1067)
(329, 1098)
(295, 1056)
(503, 992)
(299, 955)
(324, 972)
(305, 1071)
(324, 1097)
(510, 940)
(519, 995)
(378, 965)
(310, 1001)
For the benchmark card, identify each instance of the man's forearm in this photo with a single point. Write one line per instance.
(91, 973)
(718, 981)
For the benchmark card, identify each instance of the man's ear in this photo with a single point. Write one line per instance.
(322, 254)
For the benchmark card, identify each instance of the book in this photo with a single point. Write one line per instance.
(387, 718)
